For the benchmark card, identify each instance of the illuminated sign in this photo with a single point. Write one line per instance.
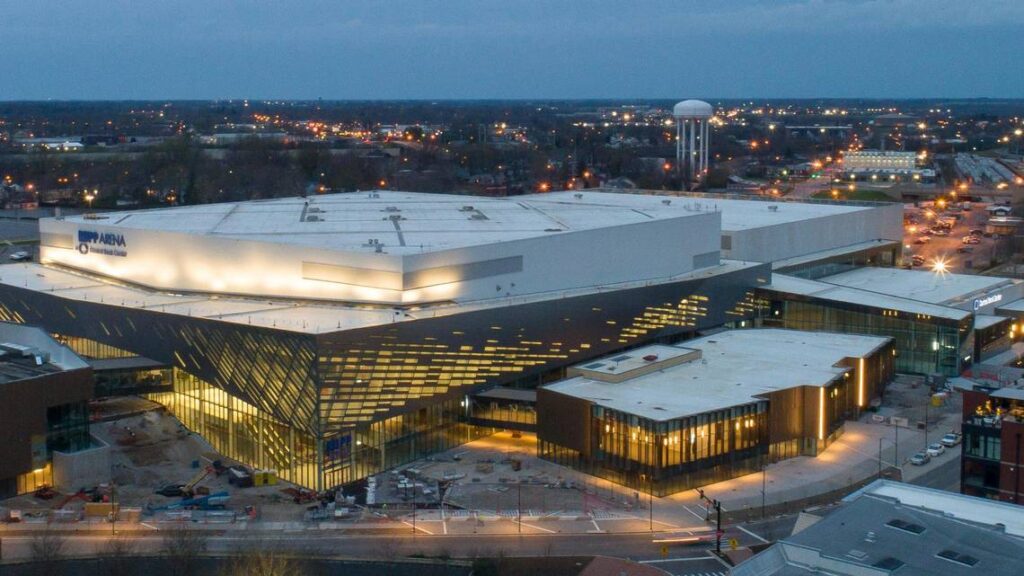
(982, 302)
(106, 243)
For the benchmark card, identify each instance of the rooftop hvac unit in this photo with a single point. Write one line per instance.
(312, 218)
(314, 210)
(650, 357)
(773, 208)
(467, 208)
(578, 196)
(392, 209)
(666, 202)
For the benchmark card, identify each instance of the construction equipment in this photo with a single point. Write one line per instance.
(189, 489)
(211, 502)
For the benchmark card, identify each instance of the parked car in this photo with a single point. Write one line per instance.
(21, 256)
(951, 439)
(920, 459)
(976, 232)
(936, 449)
(974, 240)
(917, 260)
(965, 249)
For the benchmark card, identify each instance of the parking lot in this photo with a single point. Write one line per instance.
(932, 246)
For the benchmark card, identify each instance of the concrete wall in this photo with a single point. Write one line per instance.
(787, 240)
(82, 469)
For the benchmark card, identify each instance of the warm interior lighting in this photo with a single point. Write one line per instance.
(821, 414)
(860, 384)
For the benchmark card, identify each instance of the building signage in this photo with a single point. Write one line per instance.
(982, 302)
(106, 243)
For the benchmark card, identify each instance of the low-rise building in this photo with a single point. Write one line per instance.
(894, 528)
(666, 418)
(44, 390)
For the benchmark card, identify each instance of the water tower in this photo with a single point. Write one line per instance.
(692, 163)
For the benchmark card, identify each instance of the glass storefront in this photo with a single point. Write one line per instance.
(924, 344)
(673, 455)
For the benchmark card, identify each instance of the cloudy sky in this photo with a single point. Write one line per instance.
(466, 49)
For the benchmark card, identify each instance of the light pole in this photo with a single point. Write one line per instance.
(764, 488)
(519, 504)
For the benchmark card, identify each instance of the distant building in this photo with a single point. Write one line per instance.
(901, 529)
(993, 426)
(44, 388)
(879, 160)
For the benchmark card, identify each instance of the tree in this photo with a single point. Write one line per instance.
(47, 552)
(259, 561)
(116, 557)
(182, 546)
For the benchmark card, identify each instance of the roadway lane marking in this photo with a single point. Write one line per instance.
(699, 517)
(537, 527)
(752, 534)
(662, 560)
(418, 528)
(594, 522)
(445, 526)
(665, 524)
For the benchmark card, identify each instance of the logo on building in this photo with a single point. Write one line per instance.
(106, 243)
(982, 302)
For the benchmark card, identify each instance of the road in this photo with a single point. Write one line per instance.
(399, 543)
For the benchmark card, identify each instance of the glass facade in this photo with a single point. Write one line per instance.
(330, 408)
(241, 431)
(924, 344)
(673, 455)
(67, 427)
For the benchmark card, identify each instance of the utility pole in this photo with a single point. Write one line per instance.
(650, 503)
(519, 503)
(764, 488)
(718, 527)
(879, 457)
(896, 448)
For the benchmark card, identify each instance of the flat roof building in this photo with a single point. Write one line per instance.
(667, 418)
(44, 389)
(895, 528)
(940, 322)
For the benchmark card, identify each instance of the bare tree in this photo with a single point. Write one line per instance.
(116, 556)
(260, 561)
(47, 551)
(182, 546)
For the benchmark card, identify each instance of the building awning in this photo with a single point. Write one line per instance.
(516, 394)
(130, 363)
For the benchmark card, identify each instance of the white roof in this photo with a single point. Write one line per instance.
(405, 222)
(693, 109)
(836, 293)
(736, 367)
(737, 214)
(968, 508)
(920, 285)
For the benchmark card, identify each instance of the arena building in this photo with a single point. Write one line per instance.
(335, 336)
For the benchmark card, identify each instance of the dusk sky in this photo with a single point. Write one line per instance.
(459, 49)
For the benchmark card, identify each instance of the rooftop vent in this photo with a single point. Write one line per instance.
(466, 208)
(578, 196)
(651, 357)
(889, 563)
(666, 202)
(312, 218)
(392, 209)
(954, 556)
(773, 208)
(905, 526)
(315, 210)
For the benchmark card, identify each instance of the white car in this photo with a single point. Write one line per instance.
(950, 440)
(21, 256)
(936, 449)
